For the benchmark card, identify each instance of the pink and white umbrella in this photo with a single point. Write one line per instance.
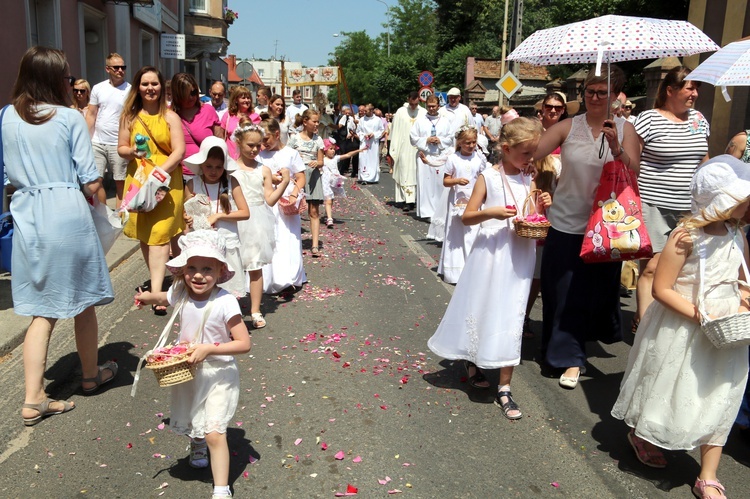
(612, 39)
(729, 67)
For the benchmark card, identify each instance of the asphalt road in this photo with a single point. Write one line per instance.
(345, 364)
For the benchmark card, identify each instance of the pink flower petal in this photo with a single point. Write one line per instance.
(357, 459)
(298, 441)
(339, 455)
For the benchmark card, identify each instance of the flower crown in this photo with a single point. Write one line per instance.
(464, 128)
(240, 131)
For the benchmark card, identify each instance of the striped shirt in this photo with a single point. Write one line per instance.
(671, 153)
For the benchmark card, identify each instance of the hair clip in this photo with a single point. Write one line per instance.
(240, 131)
(464, 128)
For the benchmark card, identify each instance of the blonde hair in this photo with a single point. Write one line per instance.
(546, 174)
(520, 130)
(692, 221)
(466, 132)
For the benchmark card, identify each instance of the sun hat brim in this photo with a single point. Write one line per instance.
(194, 162)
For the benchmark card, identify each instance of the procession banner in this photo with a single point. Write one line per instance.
(325, 75)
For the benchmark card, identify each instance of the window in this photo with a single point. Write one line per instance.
(260, 73)
(147, 49)
(200, 6)
(44, 23)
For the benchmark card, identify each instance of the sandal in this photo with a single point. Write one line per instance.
(650, 456)
(257, 320)
(527, 332)
(315, 251)
(476, 380)
(634, 324)
(44, 410)
(329, 223)
(97, 380)
(508, 406)
(198, 454)
(159, 310)
(699, 489)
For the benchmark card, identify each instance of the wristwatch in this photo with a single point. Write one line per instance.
(619, 153)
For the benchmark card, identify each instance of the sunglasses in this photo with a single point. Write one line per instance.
(600, 94)
(118, 68)
(79, 90)
(628, 107)
(193, 93)
(550, 107)
(71, 79)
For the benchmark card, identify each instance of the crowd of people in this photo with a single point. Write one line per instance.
(241, 173)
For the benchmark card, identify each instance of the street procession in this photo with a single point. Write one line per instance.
(418, 248)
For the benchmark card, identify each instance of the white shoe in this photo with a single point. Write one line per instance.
(222, 496)
(569, 381)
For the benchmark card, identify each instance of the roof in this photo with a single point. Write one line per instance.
(232, 76)
(490, 68)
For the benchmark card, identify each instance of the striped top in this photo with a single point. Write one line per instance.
(671, 153)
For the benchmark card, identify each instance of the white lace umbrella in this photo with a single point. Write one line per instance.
(612, 39)
(729, 67)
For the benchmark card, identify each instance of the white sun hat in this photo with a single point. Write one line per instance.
(205, 243)
(195, 161)
(718, 185)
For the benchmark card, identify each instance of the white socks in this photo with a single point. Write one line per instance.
(222, 491)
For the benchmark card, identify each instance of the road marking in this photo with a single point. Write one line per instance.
(376, 203)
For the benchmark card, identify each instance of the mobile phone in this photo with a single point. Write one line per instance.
(608, 125)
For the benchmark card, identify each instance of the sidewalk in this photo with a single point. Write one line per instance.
(14, 326)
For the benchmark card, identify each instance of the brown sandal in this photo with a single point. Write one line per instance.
(44, 410)
(634, 324)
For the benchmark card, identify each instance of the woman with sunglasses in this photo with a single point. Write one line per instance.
(198, 119)
(582, 301)
(240, 106)
(674, 141)
(81, 94)
(59, 269)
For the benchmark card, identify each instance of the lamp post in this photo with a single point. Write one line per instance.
(388, 33)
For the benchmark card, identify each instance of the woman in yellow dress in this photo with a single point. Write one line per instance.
(145, 112)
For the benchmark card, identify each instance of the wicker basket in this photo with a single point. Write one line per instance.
(288, 208)
(173, 371)
(729, 331)
(531, 230)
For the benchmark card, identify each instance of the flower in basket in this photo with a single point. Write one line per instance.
(169, 352)
(534, 219)
(230, 15)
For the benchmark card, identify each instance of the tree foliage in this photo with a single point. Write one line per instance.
(438, 35)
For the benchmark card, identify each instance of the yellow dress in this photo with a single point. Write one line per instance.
(159, 225)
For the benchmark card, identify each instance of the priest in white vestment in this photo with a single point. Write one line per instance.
(403, 152)
(432, 136)
(369, 130)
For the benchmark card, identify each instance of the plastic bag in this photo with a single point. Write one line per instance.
(149, 186)
(108, 223)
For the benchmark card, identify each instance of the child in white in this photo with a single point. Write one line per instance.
(460, 174)
(483, 322)
(285, 273)
(211, 319)
(333, 181)
(257, 233)
(679, 391)
(212, 200)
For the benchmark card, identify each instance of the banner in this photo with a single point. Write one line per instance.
(328, 75)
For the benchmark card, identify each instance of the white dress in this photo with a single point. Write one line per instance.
(206, 404)
(201, 205)
(459, 237)
(333, 182)
(679, 392)
(257, 234)
(483, 322)
(286, 267)
(369, 160)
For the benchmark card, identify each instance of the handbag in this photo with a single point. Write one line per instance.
(615, 231)
(107, 222)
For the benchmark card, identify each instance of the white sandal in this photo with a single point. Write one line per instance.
(257, 320)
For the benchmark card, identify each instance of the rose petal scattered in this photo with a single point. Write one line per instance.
(339, 455)
(357, 459)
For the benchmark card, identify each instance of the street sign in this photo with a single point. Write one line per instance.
(244, 70)
(442, 98)
(426, 78)
(508, 84)
(425, 92)
(172, 46)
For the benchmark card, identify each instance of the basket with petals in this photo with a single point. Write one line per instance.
(533, 225)
(169, 364)
(729, 331)
(288, 208)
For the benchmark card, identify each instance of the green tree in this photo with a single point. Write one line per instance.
(358, 56)
(394, 79)
(451, 68)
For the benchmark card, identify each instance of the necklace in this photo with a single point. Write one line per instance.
(218, 193)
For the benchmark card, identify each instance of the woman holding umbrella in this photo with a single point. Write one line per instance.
(581, 301)
(674, 141)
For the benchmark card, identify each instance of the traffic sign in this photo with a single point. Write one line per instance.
(426, 78)
(508, 84)
(425, 92)
(244, 70)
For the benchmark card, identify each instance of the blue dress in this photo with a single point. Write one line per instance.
(58, 263)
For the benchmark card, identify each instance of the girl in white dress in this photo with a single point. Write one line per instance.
(679, 391)
(481, 327)
(212, 322)
(214, 201)
(460, 174)
(333, 181)
(285, 273)
(256, 233)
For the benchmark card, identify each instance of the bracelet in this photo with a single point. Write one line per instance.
(619, 153)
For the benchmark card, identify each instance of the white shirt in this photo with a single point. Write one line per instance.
(110, 101)
(458, 116)
(292, 111)
(479, 123)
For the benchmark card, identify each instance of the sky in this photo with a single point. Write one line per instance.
(300, 30)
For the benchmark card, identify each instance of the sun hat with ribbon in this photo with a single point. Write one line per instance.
(718, 185)
(329, 143)
(508, 116)
(195, 161)
(205, 243)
